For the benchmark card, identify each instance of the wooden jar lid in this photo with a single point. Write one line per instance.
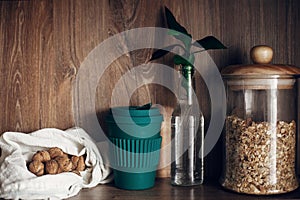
(261, 56)
(262, 69)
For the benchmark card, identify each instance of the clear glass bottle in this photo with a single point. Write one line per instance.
(187, 133)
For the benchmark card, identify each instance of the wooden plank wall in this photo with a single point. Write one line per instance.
(44, 42)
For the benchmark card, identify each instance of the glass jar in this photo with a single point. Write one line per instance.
(260, 131)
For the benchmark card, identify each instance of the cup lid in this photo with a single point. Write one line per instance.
(135, 111)
(136, 119)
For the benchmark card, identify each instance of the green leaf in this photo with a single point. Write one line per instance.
(179, 60)
(161, 52)
(144, 107)
(178, 31)
(186, 39)
(173, 32)
(173, 24)
(192, 59)
(210, 42)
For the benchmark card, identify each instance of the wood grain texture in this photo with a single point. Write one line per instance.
(43, 43)
(19, 72)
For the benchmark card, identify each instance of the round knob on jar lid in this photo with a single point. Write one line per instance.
(261, 54)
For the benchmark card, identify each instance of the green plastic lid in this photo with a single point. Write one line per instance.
(141, 115)
(135, 111)
(132, 122)
(138, 120)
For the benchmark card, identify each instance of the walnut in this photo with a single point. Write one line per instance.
(78, 163)
(55, 152)
(36, 167)
(41, 156)
(74, 160)
(51, 167)
(64, 164)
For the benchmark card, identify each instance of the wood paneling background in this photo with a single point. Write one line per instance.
(43, 43)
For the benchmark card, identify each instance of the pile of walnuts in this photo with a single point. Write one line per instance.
(55, 161)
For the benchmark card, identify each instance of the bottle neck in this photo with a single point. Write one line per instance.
(187, 83)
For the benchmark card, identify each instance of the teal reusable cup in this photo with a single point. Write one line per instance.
(135, 143)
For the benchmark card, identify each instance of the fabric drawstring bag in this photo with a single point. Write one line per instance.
(17, 149)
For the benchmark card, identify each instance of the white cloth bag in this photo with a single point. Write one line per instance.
(17, 182)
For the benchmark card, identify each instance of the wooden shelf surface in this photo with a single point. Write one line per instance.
(164, 190)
